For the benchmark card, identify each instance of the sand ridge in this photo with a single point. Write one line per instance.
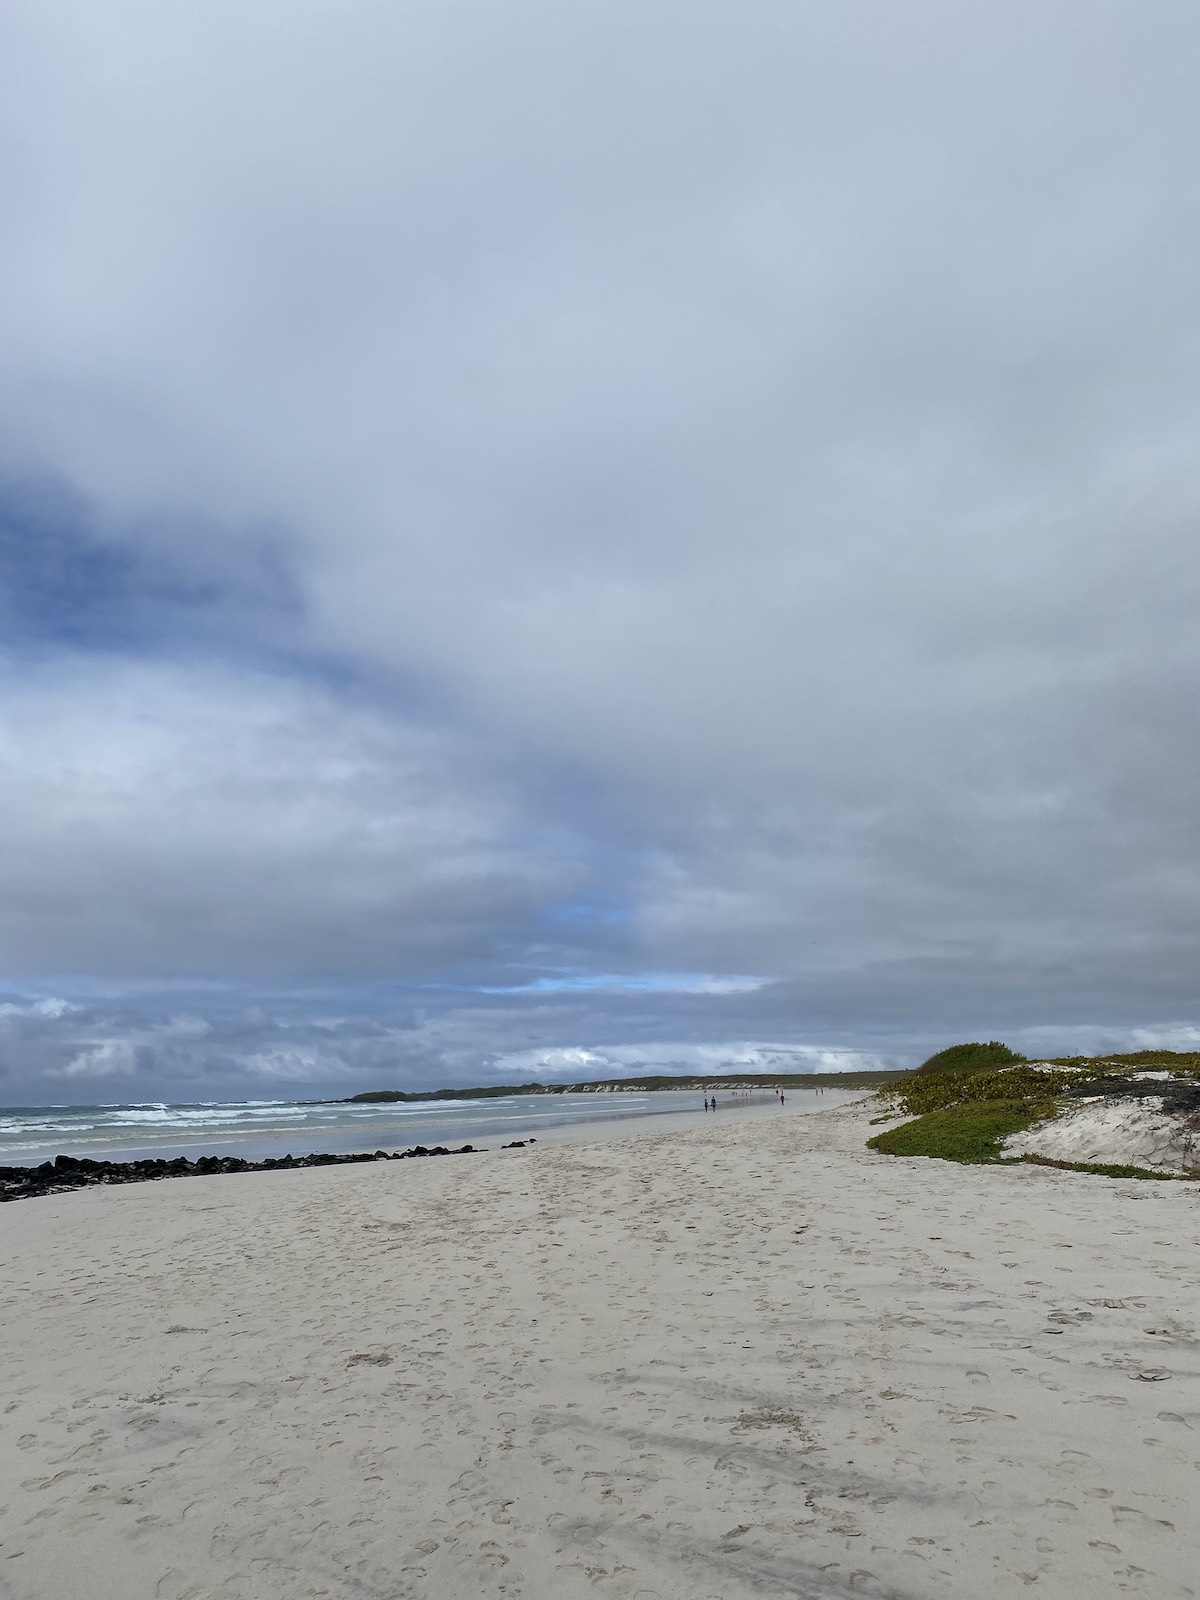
(749, 1359)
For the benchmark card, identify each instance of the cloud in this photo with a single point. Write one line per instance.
(635, 1060)
(117, 1058)
(15, 1011)
(631, 983)
(258, 1049)
(557, 492)
(191, 821)
(1089, 1039)
(258, 1042)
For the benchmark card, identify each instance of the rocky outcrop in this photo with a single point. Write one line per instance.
(80, 1172)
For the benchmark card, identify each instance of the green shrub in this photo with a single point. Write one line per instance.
(971, 1057)
(968, 1099)
(918, 1093)
(968, 1133)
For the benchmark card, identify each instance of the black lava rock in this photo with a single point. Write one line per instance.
(79, 1172)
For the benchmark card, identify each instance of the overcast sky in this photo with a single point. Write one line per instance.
(539, 539)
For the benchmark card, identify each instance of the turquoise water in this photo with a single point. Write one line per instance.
(257, 1128)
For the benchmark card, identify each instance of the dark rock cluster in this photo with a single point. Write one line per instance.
(518, 1144)
(1177, 1094)
(78, 1172)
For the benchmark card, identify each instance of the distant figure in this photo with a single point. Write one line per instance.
(781, 1097)
(706, 1102)
(714, 1102)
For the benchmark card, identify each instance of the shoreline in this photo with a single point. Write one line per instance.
(747, 1359)
(225, 1131)
(64, 1173)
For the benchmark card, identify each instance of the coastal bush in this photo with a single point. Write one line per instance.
(970, 1057)
(967, 1099)
(918, 1093)
(970, 1133)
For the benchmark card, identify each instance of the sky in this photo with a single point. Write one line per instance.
(549, 541)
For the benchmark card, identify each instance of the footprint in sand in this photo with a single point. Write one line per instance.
(1130, 1516)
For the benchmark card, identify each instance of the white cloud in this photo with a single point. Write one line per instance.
(51, 1007)
(1179, 1036)
(287, 1066)
(115, 1058)
(634, 1060)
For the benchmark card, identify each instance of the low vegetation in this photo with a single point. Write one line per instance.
(1181, 1063)
(1107, 1169)
(967, 1057)
(1022, 1083)
(965, 1101)
(967, 1133)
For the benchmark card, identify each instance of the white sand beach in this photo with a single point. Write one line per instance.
(748, 1358)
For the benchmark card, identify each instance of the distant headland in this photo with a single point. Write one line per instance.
(760, 1080)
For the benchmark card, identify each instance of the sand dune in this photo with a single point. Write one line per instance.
(1115, 1132)
(750, 1359)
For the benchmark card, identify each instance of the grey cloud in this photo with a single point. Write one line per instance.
(741, 466)
(66, 583)
(167, 821)
(285, 1047)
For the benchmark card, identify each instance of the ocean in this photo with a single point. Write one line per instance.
(255, 1129)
